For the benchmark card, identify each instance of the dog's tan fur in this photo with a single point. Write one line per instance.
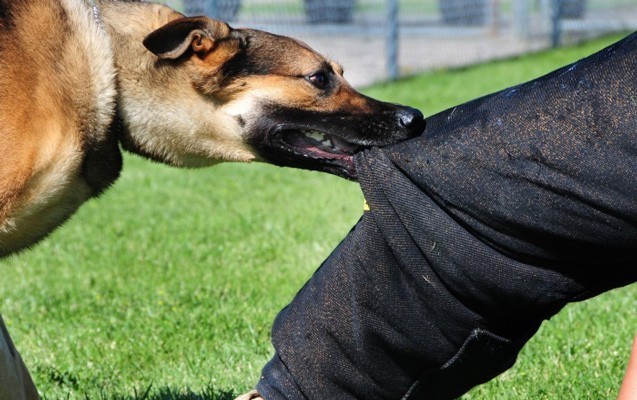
(58, 93)
(167, 119)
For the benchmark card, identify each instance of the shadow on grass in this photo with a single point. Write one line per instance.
(167, 393)
(71, 381)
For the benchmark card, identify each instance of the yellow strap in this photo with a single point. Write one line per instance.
(365, 205)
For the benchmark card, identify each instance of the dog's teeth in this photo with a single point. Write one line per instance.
(318, 136)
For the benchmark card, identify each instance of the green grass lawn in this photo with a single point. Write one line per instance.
(166, 287)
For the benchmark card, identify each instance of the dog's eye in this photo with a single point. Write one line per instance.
(318, 79)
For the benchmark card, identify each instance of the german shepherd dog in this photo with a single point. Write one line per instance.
(79, 78)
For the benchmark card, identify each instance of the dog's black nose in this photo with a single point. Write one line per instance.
(412, 120)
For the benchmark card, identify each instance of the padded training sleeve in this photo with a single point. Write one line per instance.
(506, 209)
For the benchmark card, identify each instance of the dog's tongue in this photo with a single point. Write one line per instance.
(344, 146)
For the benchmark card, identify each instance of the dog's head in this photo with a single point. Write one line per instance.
(274, 95)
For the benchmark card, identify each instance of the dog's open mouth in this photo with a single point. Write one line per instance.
(312, 149)
(315, 144)
(329, 141)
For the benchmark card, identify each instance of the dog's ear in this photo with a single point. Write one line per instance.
(172, 40)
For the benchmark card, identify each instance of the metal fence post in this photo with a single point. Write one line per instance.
(392, 39)
(521, 14)
(556, 26)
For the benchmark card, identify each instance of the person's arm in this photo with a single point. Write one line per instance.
(628, 391)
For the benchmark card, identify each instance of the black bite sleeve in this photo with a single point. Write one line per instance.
(505, 210)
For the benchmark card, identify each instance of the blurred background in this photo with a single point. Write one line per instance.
(377, 40)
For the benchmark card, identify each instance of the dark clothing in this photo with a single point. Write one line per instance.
(506, 209)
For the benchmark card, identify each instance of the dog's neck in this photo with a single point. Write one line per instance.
(142, 101)
(117, 128)
(163, 115)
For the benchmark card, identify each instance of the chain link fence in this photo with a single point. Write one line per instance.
(377, 40)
